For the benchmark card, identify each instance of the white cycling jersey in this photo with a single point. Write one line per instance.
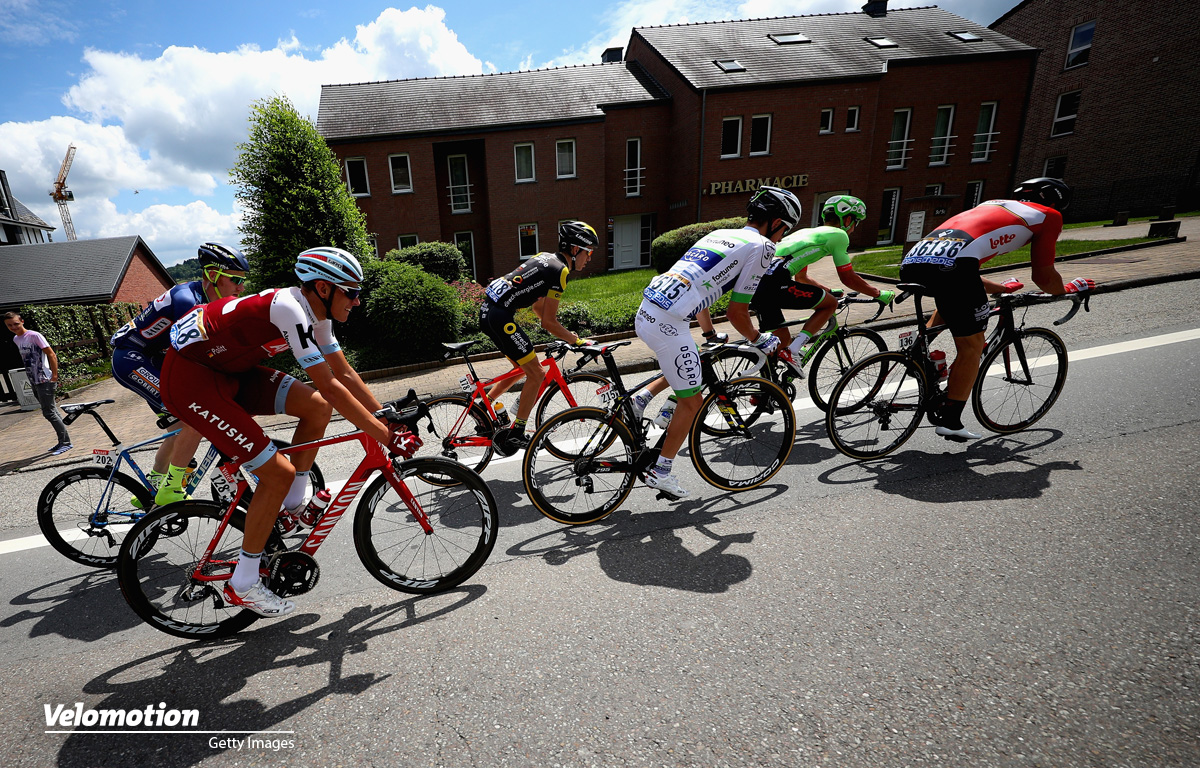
(722, 261)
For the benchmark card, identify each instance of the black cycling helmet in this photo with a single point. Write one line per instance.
(771, 203)
(1053, 193)
(576, 233)
(222, 256)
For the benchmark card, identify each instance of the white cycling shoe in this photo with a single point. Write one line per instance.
(668, 484)
(259, 599)
(957, 434)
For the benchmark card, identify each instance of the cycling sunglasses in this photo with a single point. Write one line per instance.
(351, 293)
(235, 279)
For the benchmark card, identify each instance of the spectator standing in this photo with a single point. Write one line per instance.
(41, 365)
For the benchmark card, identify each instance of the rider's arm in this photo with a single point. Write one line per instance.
(547, 309)
(839, 246)
(346, 402)
(1042, 254)
(738, 314)
(352, 381)
(803, 277)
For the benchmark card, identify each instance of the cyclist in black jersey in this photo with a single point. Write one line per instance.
(537, 283)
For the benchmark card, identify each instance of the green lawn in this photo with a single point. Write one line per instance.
(611, 284)
(1081, 224)
(886, 261)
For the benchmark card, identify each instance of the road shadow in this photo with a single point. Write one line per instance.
(86, 607)
(205, 676)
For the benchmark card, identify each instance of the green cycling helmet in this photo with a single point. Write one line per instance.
(845, 205)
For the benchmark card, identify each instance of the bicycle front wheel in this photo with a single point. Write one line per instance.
(730, 362)
(85, 517)
(835, 357)
(743, 436)
(876, 406)
(400, 553)
(596, 475)
(157, 564)
(1019, 382)
(457, 430)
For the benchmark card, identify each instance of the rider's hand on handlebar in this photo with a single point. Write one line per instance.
(886, 297)
(1012, 284)
(712, 337)
(402, 441)
(1080, 284)
(582, 342)
(836, 293)
(767, 342)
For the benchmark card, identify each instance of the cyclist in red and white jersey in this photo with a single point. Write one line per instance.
(947, 263)
(212, 380)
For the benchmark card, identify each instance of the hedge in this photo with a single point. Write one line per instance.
(79, 334)
(669, 247)
(441, 259)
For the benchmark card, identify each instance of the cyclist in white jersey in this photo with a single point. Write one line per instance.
(722, 261)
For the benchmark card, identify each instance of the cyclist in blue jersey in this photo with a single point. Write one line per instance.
(139, 347)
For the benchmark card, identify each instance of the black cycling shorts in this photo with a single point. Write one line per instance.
(498, 325)
(957, 291)
(779, 291)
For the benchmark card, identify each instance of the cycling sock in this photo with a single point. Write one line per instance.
(642, 398)
(245, 575)
(951, 412)
(801, 339)
(156, 479)
(662, 467)
(518, 425)
(174, 478)
(295, 494)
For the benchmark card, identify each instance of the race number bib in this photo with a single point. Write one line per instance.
(940, 247)
(189, 329)
(666, 289)
(497, 288)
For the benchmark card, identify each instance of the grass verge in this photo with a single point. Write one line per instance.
(886, 262)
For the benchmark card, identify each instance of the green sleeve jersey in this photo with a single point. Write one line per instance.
(808, 246)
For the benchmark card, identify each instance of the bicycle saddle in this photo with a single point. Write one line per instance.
(460, 345)
(81, 407)
(914, 288)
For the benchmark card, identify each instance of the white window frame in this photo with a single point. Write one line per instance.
(1046, 166)
(978, 196)
(634, 176)
(737, 120)
(826, 124)
(536, 240)
(857, 112)
(392, 171)
(400, 241)
(517, 165)
(466, 175)
(767, 150)
(574, 160)
(940, 154)
(937, 188)
(366, 176)
(374, 245)
(897, 157)
(1059, 118)
(1071, 41)
(989, 142)
(895, 216)
(470, 236)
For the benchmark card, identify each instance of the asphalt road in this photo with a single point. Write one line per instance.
(1024, 600)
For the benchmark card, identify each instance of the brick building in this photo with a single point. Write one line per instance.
(1115, 104)
(917, 111)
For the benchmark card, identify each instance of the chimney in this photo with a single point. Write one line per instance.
(876, 9)
(611, 55)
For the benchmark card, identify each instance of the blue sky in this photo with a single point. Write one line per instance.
(155, 95)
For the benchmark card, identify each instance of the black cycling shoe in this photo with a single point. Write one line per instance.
(509, 441)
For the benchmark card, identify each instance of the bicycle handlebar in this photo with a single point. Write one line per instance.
(589, 354)
(408, 410)
(1076, 300)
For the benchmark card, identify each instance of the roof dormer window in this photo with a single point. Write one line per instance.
(730, 65)
(881, 42)
(966, 37)
(789, 38)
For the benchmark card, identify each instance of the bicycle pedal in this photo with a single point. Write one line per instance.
(663, 495)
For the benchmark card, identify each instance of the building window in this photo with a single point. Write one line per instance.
(523, 160)
(933, 189)
(1080, 48)
(460, 184)
(528, 237)
(465, 242)
(564, 150)
(408, 241)
(985, 138)
(730, 65)
(1055, 167)
(851, 119)
(374, 245)
(826, 121)
(887, 216)
(356, 176)
(898, 147)
(966, 37)
(731, 137)
(401, 174)
(974, 194)
(647, 237)
(1065, 113)
(634, 172)
(940, 153)
(789, 38)
(881, 42)
(760, 135)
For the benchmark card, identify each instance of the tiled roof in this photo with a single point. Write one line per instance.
(481, 101)
(76, 271)
(26, 216)
(837, 48)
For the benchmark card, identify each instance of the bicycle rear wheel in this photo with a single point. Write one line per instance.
(583, 388)
(156, 565)
(876, 406)
(741, 438)
(86, 518)
(450, 423)
(597, 476)
(397, 551)
(835, 357)
(1020, 381)
(729, 363)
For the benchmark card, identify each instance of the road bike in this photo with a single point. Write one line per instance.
(581, 464)
(878, 404)
(412, 535)
(826, 357)
(463, 427)
(85, 512)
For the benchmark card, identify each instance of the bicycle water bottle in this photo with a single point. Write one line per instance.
(502, 417)
(664, 416)
(316, 507)
(187, 474)
(938, 358)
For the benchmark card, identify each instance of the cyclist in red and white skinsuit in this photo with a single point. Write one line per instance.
(212, 380)
(947, 263)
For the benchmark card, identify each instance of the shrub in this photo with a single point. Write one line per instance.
(470, 299)
(406, 315)
(79, 334)
(669, 247)
(441, 259)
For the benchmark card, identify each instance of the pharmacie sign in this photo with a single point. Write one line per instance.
(795, 181)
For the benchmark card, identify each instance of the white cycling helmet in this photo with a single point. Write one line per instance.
(333, 264)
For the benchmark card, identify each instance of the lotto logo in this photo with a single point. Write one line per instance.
(996, 242)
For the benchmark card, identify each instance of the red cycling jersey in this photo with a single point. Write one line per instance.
(989, 229)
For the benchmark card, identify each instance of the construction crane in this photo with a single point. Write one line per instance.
(62, 195)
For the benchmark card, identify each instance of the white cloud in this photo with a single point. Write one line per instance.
(173, 232)
(27, 22)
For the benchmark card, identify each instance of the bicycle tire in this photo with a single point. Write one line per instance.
(67, 507)
(156, 562)
(733, 460)
(438, 431)
(461, 510)
(730, 363)
(1031, 371)
(835, 357)
(561, 488)
(874, 392)
(583, 388)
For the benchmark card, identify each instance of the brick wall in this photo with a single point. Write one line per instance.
(142, 282)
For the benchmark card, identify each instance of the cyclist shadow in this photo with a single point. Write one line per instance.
(812, 444)
(226, 669)
(87, 607)
(922, 476)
